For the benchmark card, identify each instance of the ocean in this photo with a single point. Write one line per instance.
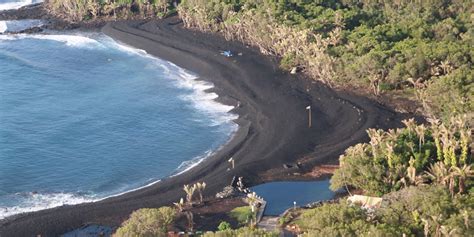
(12, 4)
(83, 118)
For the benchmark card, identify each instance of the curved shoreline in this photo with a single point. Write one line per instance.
(272, 124)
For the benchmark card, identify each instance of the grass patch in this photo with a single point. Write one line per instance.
(242, 214)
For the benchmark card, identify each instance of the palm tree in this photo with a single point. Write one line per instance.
(452, 184)
(462, 174)
(393, 134)
(410, 125)
(253, 200)
(190, 218)
(200, 188)
(448, 232)
(465, 215)
(426, 227)
(411, 175)
(445, 139)
(189, 193)
(436, 133)
(446, 67)
(420, 131)
(179, 205)
(390, 150)
(436, 220)
(438, 173)
(376, 137)
(433, 221)
(465, 141)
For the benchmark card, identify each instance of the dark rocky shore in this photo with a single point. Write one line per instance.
(273, 124)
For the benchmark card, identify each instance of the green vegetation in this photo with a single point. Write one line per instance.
(419, 49)
(77, 10)
(242, 232)
(224, 226)
(156, 222)
(148, 222)
(242, 214)
(414, 211)
(424, 175)
(414, 155)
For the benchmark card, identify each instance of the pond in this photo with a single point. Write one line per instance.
(281, 195)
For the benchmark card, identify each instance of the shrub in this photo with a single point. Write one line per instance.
(224, 226)
(242, 214)
(242, 232)
(147, 222)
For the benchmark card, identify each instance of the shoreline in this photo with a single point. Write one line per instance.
(272, 124)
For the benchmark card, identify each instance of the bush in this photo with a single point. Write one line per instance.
(242, 232)
(224, 226)
(147, 222)
(242, 214)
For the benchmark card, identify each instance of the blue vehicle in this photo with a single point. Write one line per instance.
(227, 53)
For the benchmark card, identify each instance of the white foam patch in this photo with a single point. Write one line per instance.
(19, 25)
(199, 97)
(70, 40)
(187, 165)
(35, 202)
(3, 26)
(17, 4)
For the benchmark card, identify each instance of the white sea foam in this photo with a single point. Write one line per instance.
(17, 4)
(189, 164)
(3, 26)
(19, 25)
(199, 98)
(37, 201)
(70, 40)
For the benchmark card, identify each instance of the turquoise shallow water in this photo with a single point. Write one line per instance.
(83, 118)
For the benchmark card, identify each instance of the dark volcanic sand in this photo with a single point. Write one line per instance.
(273, 124)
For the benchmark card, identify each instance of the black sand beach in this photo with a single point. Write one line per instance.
(273, 124)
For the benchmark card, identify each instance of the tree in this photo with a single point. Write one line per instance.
(200, 188)
(253, 200)
(462, 174)
(190, 217)
(438, 173)
(189, 190)
(179, 205)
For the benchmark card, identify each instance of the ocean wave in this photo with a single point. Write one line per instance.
(70, 40)
(3, 26)
(200, 98)
(17, 4)
(19, 25)
(30, 202)
(189, 164)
